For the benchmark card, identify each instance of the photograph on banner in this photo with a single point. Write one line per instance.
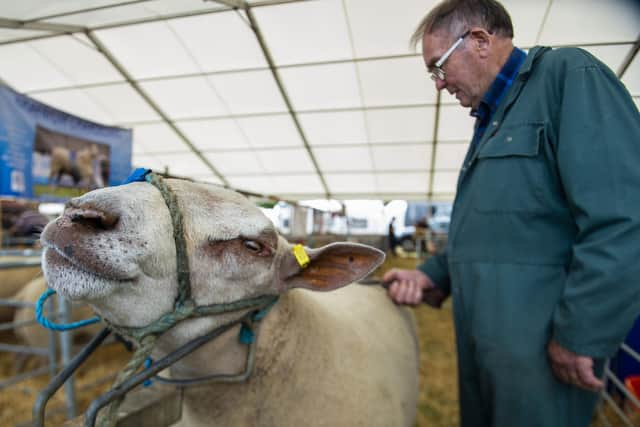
(49, 155)
(67, 166)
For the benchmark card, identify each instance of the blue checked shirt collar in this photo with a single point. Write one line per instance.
(500, 86)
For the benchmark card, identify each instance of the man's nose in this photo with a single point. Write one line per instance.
(440, 84)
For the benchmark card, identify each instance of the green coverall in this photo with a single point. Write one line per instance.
(544, 241)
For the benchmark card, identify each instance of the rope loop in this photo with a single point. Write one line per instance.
(58, 326)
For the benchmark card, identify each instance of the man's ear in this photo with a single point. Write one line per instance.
(330, 267)
(482, 41)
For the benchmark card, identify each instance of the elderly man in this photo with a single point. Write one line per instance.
(544, 241)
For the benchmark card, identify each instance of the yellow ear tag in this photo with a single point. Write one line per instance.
(301, 255)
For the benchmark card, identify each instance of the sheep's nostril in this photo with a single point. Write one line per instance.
(92, 218)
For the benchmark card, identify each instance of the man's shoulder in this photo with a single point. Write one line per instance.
(566, 58)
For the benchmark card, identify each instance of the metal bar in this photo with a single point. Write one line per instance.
(436, 125)
(235, 4)
(39, 406)
(610, 375)
(15, 303)
(629, 58)
(65, 349)
(122, 389)
(90, 9)
(135, 86)
(23, 377)
(285, 97)
(19, 264)
(39, 26)
(630, 351)
(616, 409)
(52, 339)
(544, 21)
(25, 349)
(21, 252)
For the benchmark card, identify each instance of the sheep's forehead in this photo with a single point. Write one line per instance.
(216, 213)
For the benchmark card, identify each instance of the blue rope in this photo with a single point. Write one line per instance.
(57, 326)
(147, 364)
(247, 336)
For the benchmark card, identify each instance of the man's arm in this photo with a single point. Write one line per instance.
(598, 153)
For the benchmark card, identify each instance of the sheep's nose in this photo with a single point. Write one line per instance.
(91, 217)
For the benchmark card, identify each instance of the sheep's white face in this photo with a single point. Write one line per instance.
(114, 248)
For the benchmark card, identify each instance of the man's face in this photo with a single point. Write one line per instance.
(463, 73)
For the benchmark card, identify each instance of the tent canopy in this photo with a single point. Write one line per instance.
(301, 99)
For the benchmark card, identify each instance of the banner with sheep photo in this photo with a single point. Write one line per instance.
(49, 155)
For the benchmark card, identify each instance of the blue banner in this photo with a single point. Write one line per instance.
(49, 155)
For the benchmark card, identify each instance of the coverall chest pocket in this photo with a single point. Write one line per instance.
(510, 171)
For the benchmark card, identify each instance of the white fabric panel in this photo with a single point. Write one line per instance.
(140, 160)
(591, 21)
(305, 32)
(31, 71)
(351, 183)
(343, 127)
(218, 134)
(183, 164)
(148, 9)
(185, 97)
(157, 138)
(148, 50)
(270, 131)
(296, 184)
(401, 124)
(30, 9)
(417, 182)
(612, 56)
(631, 77)
(322, 86)
(219, 41)
(383, 27)
(77, 102)
(122, 103)
(445, 182)
(79, 62)
(336, 159)
(7, 34)
(455, 124)
(526, 17)
(255, 184)
(399, 81)
(450, 156)
(249, 92)
(295, 160)
(402, 157)
(236, 162)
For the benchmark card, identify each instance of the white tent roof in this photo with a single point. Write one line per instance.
(324, 100)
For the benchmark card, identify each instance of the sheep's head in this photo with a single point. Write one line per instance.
(114, 248)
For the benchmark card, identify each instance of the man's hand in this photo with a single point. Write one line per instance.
(572, 368)
(407, 286)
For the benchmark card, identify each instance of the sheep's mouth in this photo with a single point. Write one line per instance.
(56, 257)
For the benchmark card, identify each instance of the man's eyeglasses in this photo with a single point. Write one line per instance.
(436, 71)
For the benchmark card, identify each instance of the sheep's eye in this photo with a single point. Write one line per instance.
(252, 245)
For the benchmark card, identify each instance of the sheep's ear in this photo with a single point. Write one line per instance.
(330, 267)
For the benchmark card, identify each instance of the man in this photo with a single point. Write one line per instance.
(545, 231)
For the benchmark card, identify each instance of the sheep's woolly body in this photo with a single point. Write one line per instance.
(342, 358)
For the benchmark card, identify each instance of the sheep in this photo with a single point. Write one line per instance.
(79, 168)
(327, 354)
(11, 281)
